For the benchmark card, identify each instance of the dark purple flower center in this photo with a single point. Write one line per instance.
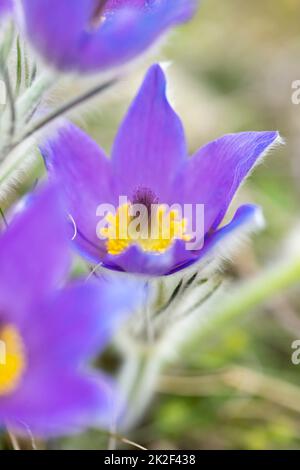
(145, 196)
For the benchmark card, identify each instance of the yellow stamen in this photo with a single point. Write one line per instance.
(156, 235)
(12, 359)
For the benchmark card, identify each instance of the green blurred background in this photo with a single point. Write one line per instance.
(231, 69)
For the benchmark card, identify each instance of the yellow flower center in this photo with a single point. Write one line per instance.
(12, 359)
(153, 234)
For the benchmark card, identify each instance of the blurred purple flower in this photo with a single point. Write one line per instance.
(92, 35)
(48, 332)
(5, 5)
(150, 164)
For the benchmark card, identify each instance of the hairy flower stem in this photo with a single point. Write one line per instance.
(10, 159)
(32, 97)
(20, 112)
(138, 382)
(62, 110)
(14, 441)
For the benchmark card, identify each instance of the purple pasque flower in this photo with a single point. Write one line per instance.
(49, 332)
(150, 164)
(92, 35)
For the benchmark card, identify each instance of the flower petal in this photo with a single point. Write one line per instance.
(80, 320)
(53, 403)
(136, 261)
(45, 24)
(56, 395)
(5, 5)
(214, 174)
(34, 253)
(83, 172)
(115, 4)
(129, 31)
(120, 37)
(150, 144)
(246, 219)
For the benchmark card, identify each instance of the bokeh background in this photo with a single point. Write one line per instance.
(231, 69)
